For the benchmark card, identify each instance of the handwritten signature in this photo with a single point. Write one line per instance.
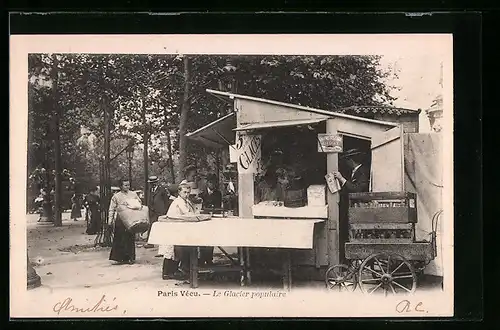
(405, 306)
(101, 306)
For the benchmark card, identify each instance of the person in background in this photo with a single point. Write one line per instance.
(356, 178)
(158, 203)
(212, 196)
(46, 209)
(178, 256)
(123, 248)
(92, 205)
(197, 185)
(76, 207)
(212, 199)
(270, 187)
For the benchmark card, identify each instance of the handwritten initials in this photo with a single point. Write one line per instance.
(404, 306)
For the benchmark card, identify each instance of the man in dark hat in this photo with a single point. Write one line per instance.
(212, 197)
(356, 180)
(158, 202)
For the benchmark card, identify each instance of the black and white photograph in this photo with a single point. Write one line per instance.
(231, 176)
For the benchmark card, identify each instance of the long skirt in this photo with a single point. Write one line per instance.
(123, 248)
(76, 211)
(94, 222)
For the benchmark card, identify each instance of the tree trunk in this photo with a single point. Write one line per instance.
(146, 146)
(57, 145)
(169, 146)
(184, 116)
(170, 156)
(47, 210)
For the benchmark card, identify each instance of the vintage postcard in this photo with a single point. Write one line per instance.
(231, 176)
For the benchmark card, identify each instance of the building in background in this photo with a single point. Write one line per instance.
(435, 112)
(418, 79)
(409, 118)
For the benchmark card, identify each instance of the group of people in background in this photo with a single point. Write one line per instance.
(188, 197)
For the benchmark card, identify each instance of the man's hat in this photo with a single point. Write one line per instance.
(212, 177)
(189, 168)
(350, 152)
(153, 179)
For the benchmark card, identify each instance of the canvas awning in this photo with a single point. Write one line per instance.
(281, 123)
(217, 134)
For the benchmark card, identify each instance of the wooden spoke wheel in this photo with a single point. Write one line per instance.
(340, 278)
(387, 273)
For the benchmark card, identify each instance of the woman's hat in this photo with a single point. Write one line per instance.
(350, 152)
(153, 179)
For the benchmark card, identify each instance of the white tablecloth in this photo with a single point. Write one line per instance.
(242, 232)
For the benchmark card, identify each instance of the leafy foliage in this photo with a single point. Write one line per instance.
(127, 85)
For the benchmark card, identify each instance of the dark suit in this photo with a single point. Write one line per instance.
(213, 200)
(158, 203)
(357, 182)
(210, 201)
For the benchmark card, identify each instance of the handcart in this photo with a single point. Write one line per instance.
(382, 254)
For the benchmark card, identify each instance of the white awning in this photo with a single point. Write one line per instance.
(281, 123)
(241, 232)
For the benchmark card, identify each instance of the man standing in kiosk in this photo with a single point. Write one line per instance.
(357, 180)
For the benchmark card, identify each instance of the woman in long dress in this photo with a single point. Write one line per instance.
(92, 203)
(172, 256)
(123, 248)
(76, 207)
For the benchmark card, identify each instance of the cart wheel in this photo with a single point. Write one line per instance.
(387, 272)
(340, 278)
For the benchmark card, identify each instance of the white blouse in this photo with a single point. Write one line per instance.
(120, 200)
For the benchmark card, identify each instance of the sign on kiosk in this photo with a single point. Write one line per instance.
(246, 152)
(330, 143)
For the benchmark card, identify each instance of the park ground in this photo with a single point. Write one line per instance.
(65, 258)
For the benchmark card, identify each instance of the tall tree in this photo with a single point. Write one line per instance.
(57, 141)
(184, 114)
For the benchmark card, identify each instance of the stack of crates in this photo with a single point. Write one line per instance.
(382, 217)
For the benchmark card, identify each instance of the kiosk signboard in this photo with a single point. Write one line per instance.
(329, 143)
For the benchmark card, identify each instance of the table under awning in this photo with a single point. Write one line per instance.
(269, 233)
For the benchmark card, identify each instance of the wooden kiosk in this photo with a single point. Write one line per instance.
(247, 131)
(254, 117)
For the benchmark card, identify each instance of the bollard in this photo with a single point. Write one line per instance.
(34, 280)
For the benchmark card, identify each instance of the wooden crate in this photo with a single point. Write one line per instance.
(382, 207)
(361, 232)
(416, 251)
